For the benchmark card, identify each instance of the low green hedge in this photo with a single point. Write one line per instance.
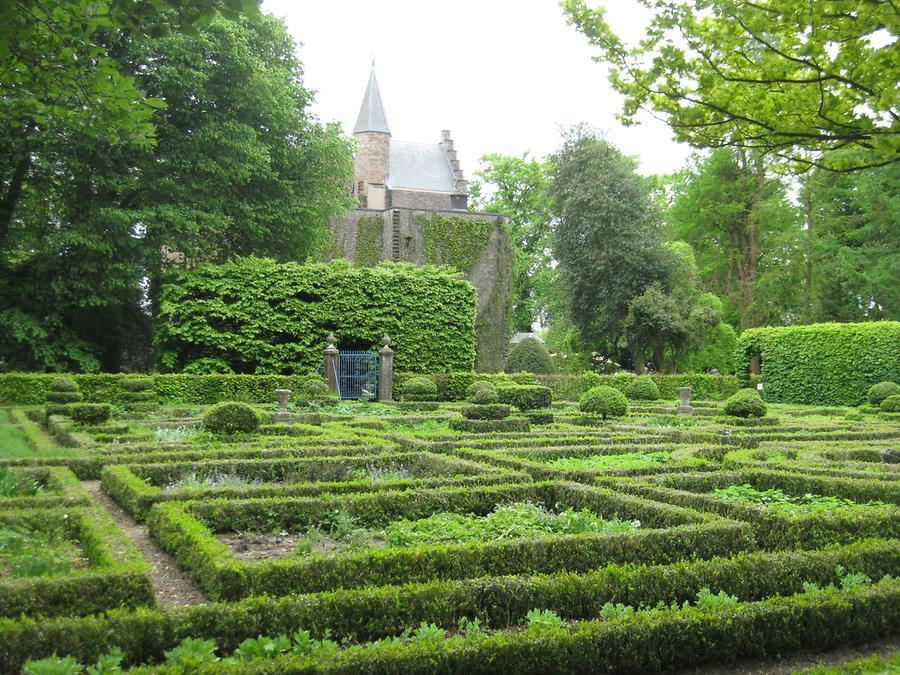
(32, 388)
(571, 387)
(136, 487)
(773, 529)
(183, 528)
(511, 424)
(668, 638)
(117, 576)
(525, 397)
(61, 488)
(486, 411)
(453, 386)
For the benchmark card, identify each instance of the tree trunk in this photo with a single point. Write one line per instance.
(11, 196)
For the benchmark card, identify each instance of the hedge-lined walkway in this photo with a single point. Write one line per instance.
(172, 586)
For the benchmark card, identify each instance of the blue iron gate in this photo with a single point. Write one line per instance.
(357, 375)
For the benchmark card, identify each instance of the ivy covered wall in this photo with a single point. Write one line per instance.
(477, 245)
(262, 317)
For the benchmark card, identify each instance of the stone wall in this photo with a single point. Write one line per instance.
(372, 160)
(490, 271)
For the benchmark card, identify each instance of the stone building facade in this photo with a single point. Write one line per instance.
(413, 207)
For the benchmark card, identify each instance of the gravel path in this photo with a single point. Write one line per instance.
(173, 587)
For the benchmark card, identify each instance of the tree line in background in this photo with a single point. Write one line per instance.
(142, 136)
(788, 214)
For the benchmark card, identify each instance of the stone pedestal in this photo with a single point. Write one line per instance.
(331, 364)
(283, 395)
(685, 407)
(385, 371)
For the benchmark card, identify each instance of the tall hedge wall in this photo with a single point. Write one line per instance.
(263, 317)
(826, 363)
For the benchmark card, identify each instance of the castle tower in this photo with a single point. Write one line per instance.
(373, 149)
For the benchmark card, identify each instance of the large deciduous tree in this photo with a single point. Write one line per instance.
(793, 78)
(239, 166)
(745, 235)
(607, 236)
(520, 188)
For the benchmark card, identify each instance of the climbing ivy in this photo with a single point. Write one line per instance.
(826, 363)
(369, 239)
(457, 242)
(268, 318)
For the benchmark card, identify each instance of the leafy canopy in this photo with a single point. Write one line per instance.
(794, 78)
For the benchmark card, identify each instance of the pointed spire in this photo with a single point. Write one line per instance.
(371, 112)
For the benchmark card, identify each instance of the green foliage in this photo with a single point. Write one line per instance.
(268, 318)
(207, 365)
(539, 417)
(607, 238)
(509, 425)
(369, 236)
(486, 411)
(642, 388)
(891, 404)
(628, 460)
(691, 68)
(239, 167)
(529, 356)
(455, 241)
(89, 413)
(53, 665)
(777, 499)
(831, 364)
(230, 418)
(850, 244)
(604, 401)
(63, 384)
(192, 653)
(718, 601)
(543, 619)
(716, 351)
(13, 484)
(484, 395)
(419, 389)
(745, 403)
(520, 190)
(525, 397)
(744, 232)
(878, 392)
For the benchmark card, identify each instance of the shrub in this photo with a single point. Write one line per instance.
(136, 384)
(494, 411)
(891, 404)
(530, 356)
(604, 401)
(63, 384)
(827, 363)
(235, 313)
(480, 385)
(316, 391)
(879, 392)
(745, 403)
(89, 413)
(508, 425)
(539, 417)
(420, 389)
(643, 388)
(207, 366)
(485, 396)
(525, 397)
(230, 418)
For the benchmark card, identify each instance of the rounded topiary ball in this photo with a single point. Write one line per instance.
(879, 392)
(420, 389)
(604, 401)
(63, 384)
(642, 388)
(745, 403)
(480, 385)
(529, 356)
(891, 404)
(485, 396)
(230, 418)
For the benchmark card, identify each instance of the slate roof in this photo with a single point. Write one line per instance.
(371, 113)
(420, 166)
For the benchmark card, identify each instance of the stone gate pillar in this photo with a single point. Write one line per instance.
(385, 371)
(331, 363)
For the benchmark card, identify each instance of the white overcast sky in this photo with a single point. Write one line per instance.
(503, 75)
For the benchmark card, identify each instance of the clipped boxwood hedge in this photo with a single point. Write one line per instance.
(117, 576)
(826, 363)
(571, 387)
(183, 528)
(374, 613)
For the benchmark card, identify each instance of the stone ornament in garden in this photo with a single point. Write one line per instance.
(685, 407)
(283, 395)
